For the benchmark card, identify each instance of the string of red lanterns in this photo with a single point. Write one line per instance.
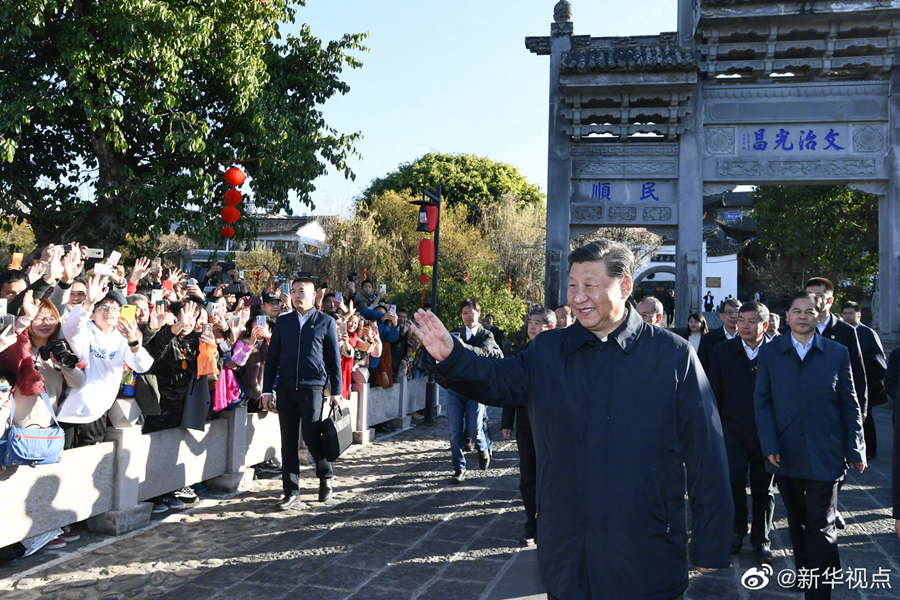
(230, 214)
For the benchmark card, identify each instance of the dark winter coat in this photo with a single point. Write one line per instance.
(309, 358)
(614, 424)
(170, 356)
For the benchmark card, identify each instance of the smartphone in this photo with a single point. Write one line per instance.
(208, 329)
(192, 281)
(240, 274)
(128, 313)
(7, 321)
(156, 296)
(8, 329)
(168, 285)
(162, 303)
(216, 309)
(394, 308)
(94, 252)
(339, 296)
(234, 288)
(66, 249)
(285, 288)
(261, 321)
(343, 327)
(15, 262)
(383, 288)
(114, 258)
(253, 301)
(105, 270)
(228, 266)
(2, 306)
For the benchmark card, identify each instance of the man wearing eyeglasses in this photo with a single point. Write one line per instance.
(98, 335)
(651, 310)
(730, 314)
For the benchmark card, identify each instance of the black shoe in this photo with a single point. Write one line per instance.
(458, 476)
(839, 521)
(325, 489)
(763, 555)
(484, 459)
(289, 501)
(737, 541)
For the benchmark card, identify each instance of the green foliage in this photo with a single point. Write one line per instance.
(15, 236)
(383, 244)
(120, 116)
(486, 284)
(826, 231)
(466, 180)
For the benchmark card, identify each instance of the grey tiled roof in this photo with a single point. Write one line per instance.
(282, 224)
(628, 58)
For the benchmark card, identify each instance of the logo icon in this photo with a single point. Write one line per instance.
(756, 579)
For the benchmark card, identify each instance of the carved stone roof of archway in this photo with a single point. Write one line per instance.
(628, 57)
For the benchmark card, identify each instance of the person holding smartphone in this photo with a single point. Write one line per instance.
(303, 356)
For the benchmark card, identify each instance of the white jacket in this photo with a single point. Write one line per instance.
(105, 354)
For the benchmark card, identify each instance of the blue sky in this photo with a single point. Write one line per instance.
(453, 77)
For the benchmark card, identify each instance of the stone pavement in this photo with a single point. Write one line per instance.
(395, 529)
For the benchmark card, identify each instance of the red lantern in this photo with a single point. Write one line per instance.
(233, 197)
(234, 177)
(426, 253)
(424, 279)
(227, 232)
(230, 214)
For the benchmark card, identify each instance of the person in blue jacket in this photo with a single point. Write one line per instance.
(303, 356)
(810, 428)
(622, 416)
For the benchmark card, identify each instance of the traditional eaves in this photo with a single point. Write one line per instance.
(628, 58)
(275, 225)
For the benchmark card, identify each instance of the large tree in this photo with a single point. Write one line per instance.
(466, 180)
(827, 231)
(120, 116)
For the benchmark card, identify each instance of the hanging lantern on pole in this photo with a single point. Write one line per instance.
(227, 232)
(426, 252)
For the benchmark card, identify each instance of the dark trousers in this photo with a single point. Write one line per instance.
(811, 507)
(300, 410)
(746, 455)
(871, 438)
(83, 434)
(528, 479)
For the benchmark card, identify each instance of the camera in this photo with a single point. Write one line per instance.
(59, 350)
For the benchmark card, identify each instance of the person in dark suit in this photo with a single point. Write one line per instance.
(728, 313)
(876, 365)
(732, 376)
(303, 356)
(539, 320)
(810, 428)
(465, 415)
(834, 329)
(624, 423)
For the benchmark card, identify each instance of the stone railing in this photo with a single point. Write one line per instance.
(109, 484)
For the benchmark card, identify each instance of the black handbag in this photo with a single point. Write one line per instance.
(146, 393)
(338, 432)
(197, 401)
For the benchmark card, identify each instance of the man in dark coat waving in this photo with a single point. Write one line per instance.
(618, 409)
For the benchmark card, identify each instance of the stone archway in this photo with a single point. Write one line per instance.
(744, 93)
(652, 271)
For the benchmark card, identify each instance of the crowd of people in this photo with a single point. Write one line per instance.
(184, 348)
(742, 404)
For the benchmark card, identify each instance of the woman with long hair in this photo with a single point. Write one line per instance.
(696, 329)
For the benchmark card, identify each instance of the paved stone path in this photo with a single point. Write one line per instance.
(395, 529)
